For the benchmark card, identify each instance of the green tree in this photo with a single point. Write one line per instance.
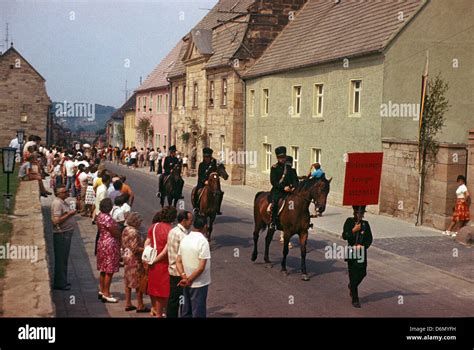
(433, 121)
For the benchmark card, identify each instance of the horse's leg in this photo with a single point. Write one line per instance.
(211, 225)
(268, 240)
(286, 241)
(303, 240)
(256, 234)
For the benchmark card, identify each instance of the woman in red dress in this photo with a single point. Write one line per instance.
(158, 275)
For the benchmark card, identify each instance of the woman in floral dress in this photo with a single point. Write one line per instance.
(132, 246)
(108, 250)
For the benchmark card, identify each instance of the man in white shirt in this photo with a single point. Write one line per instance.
(70, 170)
(152, 158)
(194, 266)
(175, 236)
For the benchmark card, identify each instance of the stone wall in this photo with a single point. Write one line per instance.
(24, 103)
(27, 287)
(399, 188)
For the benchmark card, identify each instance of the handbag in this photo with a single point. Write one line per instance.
(149, 253)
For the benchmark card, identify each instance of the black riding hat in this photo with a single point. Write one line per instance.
(172, 148)
(359, 209)
(280, 151)
(207, 152)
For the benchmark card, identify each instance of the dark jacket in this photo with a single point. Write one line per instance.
(169, 163)
(362, 237)
(279, 179)
(204, 170)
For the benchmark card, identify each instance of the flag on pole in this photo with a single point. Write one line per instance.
(424, 88)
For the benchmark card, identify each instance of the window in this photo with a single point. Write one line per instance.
(295, 153)
(184, 95)
(212, 94)
(318, 100)
(165, 139)
(222, 145)
(176, 90)
(296, 101)
(252, 103)
(151, 103)
(167, 101)
(267, 150)
(139, 103)
(159, 103)
(224, 92)
(209, 140)
(144, 104)
(195, 95)
(265, 101)
(158, 140)
(315, 155)
(356, 89)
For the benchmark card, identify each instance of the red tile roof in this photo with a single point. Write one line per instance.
(158, 77)
(324, 31)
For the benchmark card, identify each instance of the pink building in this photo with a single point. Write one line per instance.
(153, 103)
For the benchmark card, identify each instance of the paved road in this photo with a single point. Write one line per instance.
(396, 285)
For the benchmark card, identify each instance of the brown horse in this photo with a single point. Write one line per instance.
(209, 202)
(294, 217)
(173, 188)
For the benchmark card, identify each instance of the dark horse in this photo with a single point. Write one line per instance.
(294, 218)
(173, 187)
(209, 202)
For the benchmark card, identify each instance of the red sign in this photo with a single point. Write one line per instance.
(362, 182)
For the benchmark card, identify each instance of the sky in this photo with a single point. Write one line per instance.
(87, 49)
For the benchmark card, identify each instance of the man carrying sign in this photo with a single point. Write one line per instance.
(358, 235)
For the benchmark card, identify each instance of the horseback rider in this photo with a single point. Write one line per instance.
(206, 167)
(170, 163)
(283, 179)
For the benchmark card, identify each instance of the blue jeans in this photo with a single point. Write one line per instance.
(195, 302)
(70, 185)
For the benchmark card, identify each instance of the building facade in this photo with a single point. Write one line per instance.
(206, 84)
(324, 91)
(153, 103)
(24, 101)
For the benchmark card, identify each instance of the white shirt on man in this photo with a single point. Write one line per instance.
(193, 248)
(69, 165)
(101, 193)
(133, 155)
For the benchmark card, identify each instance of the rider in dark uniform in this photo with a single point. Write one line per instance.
(282, 179)
(170, 162)
(206, 167)
(358, 235)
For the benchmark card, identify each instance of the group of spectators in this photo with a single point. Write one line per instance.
(152, 158)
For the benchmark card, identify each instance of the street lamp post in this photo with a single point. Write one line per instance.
(20, 135)
(8, 155)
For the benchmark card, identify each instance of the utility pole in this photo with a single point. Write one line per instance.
(127, 90)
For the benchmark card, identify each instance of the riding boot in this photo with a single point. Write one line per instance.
(160, 186)
(221, 196)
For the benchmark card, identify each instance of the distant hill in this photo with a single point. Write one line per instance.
(82, 116)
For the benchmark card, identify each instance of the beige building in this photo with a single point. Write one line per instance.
(24, 101)
(207, 89)
(325, 90)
